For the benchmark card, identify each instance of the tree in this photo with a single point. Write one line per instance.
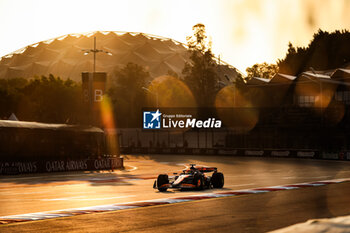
(325, 51)
(10, 95)
(51, 99)
(201, 73)
(127, 94)
(46, 99)
(263, 70)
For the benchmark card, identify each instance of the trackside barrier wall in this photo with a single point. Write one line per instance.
(13, 168)
(312, 154)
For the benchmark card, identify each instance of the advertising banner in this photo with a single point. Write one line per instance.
(13, 168)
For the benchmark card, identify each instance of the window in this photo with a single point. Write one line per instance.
(343, 96)
(306, 101)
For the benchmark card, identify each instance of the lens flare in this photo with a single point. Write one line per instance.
(314, 93)
(109, 125)
(334, 113)
(280, 85)
(170, 92)
(235, 110)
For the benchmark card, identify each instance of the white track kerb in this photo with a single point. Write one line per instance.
(139, 204)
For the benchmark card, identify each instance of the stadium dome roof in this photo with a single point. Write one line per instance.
(63, 56)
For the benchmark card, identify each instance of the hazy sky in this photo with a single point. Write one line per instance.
(243, 32)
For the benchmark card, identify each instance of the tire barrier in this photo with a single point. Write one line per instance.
(14, 168)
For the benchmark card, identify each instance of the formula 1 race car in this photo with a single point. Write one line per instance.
(192, 178)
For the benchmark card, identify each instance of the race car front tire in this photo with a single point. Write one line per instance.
(217, 180)
(162, 180)
(198, 181)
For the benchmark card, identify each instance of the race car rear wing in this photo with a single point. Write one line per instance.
(203, 169)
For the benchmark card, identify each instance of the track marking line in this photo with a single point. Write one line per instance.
(308, 177)
(133, 168)
(239, 185)
(119, 179)
(62, 198)
(52, 176)
(139, 204)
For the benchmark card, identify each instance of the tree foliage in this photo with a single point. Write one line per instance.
(263, 70)
(128, 95)
(45, 99)
(11, 95)
(201, 73)
(53, 100)
(325, 51)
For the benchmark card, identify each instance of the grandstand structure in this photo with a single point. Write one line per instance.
(309, 89)
(64, 57)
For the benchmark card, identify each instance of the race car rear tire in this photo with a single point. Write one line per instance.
(161, 180)
(217, 180)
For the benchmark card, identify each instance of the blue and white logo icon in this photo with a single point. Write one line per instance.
(151, 120)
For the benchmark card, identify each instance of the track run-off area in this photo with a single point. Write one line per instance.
(259, 195)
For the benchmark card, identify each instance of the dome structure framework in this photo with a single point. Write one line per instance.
(64, 57)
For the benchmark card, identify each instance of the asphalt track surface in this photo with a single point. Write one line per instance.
(247, 213)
